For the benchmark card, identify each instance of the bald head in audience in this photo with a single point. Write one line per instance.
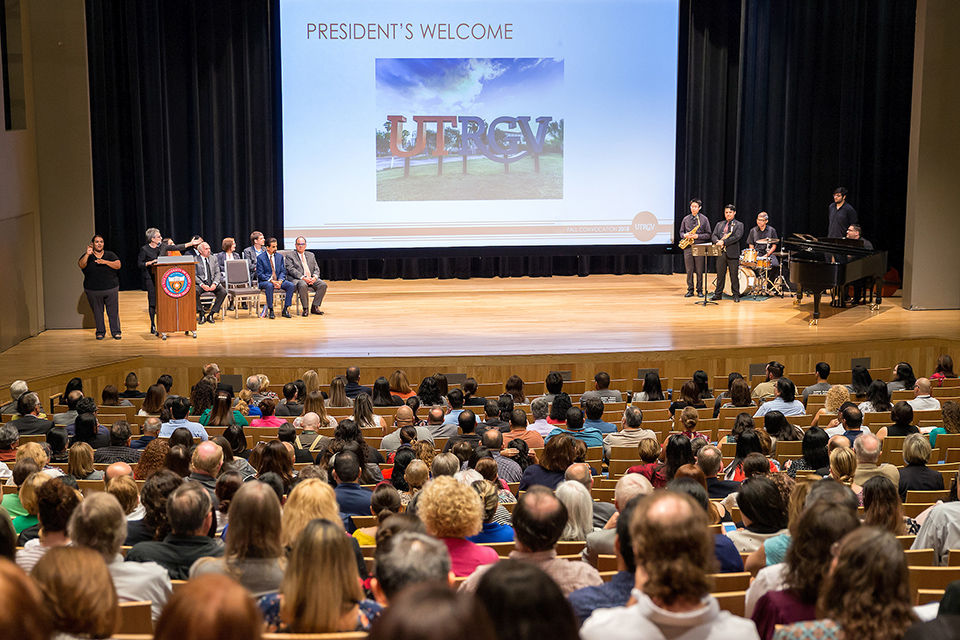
(116, 470)
(836, 442)
(207, 458)
(629, 487)
(404, 418)
(579, 472)
(710, 460)
(538, 520)
(435, 416)
(310, 421)
(867, 449)
(151, 426)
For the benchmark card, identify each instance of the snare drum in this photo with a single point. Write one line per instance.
(763, 262)
(748, 256)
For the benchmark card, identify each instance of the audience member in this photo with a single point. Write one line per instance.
(22, 612)
(179, 410)
(724, 549)
(252, 555)
(119, 449)
(785, 401)
(794, 585)
(78, 593)
(951, 421)
(576, 498)
(468, 424)
(524, 603)
(917, 476)
(520, 431)
(602, 511)
(539, 521)
(710, 461)
(353, 499)
(207, 607)
(866, 593)
(867, 450)
(815, 455)
(98, 523)
(320, 591)
(674, 553)
(434, 611)
(768, 388)
(190, 517)
(922, 400)
(406, 559)
(28, 500)
(153, 497)
(763, 511)
(558, 454)
(30, 421)
(55, 503)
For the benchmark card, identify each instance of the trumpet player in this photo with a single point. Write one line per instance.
(694, 228)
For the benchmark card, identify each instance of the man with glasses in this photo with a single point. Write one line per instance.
(303, 272)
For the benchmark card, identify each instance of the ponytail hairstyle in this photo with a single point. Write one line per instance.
(385, 502)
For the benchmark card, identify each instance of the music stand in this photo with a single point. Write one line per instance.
(704, 250)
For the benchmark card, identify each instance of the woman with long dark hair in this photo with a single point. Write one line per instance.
(652, 389)
(748, 442)
(860, 380)
(429, 393)
(153, 402)
(514, 387)
(903, 378)
(382, 396)
(558, 409)
(702, 380)
(878, 399)
(222, 413)
(815, 456)
(763, 511)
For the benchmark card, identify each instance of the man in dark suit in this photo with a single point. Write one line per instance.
(727, 235)
(710, 461)
(303, 271)
(251, 253)
(353, 388)
(208, 281)
(30, 423)
(353, 499)
(271, 274)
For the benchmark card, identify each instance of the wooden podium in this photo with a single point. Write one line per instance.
(175, 280)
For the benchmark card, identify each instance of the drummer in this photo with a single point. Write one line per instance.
(763, 238)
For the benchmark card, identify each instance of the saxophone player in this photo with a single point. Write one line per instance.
(694, 228)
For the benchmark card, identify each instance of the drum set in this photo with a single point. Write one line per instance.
(755, 274)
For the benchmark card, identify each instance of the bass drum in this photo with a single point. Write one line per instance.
(747, 278)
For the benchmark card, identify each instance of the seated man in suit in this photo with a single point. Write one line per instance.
(271, 274)
(209, 281)
(30, 423)
(303, 271)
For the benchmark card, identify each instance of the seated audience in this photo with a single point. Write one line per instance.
(207, 607)
(434, 611)
(867, 449)
(406, 559)
(22, 470)
(452, 512)
(22, 612)
(797, 582)
(673, 550)
(689, 397)
(600, 542)
(878, 399)
(320, 591)
(902, 426)
(866, 593)
(763, 511)
(524, 603)
(815, 455)
(951, 421)
(55, 503)
(558, 454)
(28, 500)
(630, 434)
(179, 409)
(190, 517)
(384, 502)
(710, 461)
(922, 400)
(940, 530)
(785, 400)
(78, 593)
(492, 531)
(252, 555)
(98, 523)
(119, 449)
(917, 476)
(576, 498)
(882, 508)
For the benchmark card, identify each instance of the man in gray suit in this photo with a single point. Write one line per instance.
(208, 281)
(303, 272)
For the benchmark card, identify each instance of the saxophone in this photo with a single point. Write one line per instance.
(686, 242)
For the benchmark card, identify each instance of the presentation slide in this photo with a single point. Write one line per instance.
(476, 123)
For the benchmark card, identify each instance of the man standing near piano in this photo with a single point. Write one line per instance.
(727, 234)
(842, 215)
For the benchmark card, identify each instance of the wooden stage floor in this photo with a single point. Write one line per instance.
(486, 318)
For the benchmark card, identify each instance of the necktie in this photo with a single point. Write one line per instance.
(203, 268)
(306, 269)
(273, 269)
(727, 229)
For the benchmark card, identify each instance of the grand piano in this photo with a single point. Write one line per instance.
(817, 264)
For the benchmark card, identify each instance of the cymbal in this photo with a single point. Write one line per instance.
(781, 254)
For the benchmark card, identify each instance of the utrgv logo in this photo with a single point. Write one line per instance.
(472, 131)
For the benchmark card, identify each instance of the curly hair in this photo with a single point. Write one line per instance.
(675, 549)
(425, 451)
(154, 496)
(152, 459)
(808, 557)
(836, 396)
(450, 509)
(951, 416)
(202, 395)
(868, 592)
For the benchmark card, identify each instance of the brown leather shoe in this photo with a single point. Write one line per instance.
(315, 310)
(305, 313)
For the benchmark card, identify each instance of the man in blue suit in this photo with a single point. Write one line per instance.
(271, 275)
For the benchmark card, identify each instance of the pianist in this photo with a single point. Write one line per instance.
(853, 233)
(842, 215)
(859, 286)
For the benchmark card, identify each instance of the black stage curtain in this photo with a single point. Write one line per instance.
(779, 103)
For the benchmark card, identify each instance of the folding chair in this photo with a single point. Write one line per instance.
(239, 287)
